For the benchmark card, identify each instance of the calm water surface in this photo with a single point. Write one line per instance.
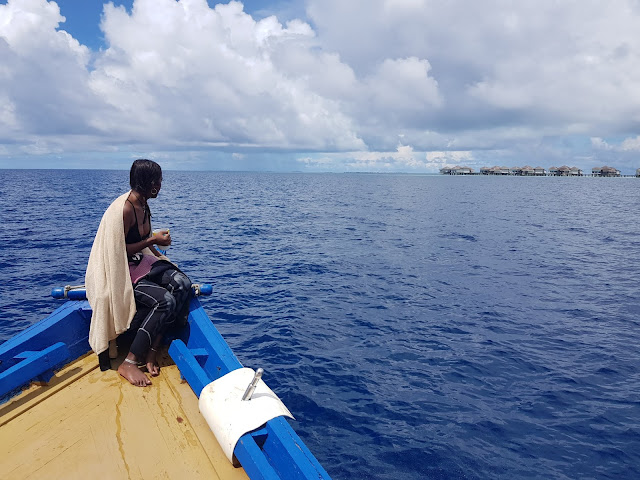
(416, 326)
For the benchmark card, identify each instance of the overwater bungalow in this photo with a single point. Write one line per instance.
(638, 172)
(521, 171)
(565, 171)
(457, 170)
(606, 172)
(526, 171)
(495, 170)
(490, 171)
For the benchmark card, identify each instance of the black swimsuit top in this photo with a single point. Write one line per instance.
(133, 235)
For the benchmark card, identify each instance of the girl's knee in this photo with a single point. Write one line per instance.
(182, 281)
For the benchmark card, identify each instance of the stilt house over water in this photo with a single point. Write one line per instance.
(607, 172)
(526, 171)
(457, 170)
(503, 170)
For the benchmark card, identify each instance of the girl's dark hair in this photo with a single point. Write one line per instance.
(144, 173)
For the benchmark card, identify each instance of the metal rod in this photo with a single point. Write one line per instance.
(69, 287)
(252, 386)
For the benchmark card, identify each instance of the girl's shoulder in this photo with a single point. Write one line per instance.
(128, 213)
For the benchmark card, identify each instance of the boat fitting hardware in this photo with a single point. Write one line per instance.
(252, 386)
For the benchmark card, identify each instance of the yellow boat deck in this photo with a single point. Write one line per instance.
(94, 425)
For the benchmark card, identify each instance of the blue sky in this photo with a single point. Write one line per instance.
(319, 85)
(82, 17)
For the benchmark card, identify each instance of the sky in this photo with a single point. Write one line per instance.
(320, 85)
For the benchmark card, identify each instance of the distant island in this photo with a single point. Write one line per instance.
(528, 171)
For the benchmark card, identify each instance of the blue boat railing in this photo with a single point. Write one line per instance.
(272, 452)
(38, 351)
(32, 365)
(79, 292)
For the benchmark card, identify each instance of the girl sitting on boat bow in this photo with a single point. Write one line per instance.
(130, 285)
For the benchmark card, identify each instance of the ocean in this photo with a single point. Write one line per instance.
(417, 326)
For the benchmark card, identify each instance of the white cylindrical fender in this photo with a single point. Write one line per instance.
(228, 416)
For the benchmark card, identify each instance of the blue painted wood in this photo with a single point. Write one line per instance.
(25, 354)
(36, 364)
(189, 367)
(253, 461)
(77, 294)
(201, 355)
(272, 452)
(81, 292)
(247, 452)
(290, 463)
(204, 335)
(260, 436)
(68, 324)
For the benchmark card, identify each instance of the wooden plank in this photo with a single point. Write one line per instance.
(189, 403)
(35, 394)
(100, 426)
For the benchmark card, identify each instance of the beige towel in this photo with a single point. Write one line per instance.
(108, 283)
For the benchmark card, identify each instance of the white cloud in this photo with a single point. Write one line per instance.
(43, 75)
(515, 79)
(600, 144)
(441, 159)
(318, 161)
(206, 76)
(567, 65)
(404, 156)
(630, 144)
(403, 159)
(176, 74)
(403, 85)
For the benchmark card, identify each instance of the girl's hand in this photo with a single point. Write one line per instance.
(162, 238)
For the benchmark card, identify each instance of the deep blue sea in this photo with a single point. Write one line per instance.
(417, 326)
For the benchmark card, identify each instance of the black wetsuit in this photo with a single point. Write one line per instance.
(162, 298)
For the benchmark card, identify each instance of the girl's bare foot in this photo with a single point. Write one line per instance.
(152, 364)
(130, 371)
